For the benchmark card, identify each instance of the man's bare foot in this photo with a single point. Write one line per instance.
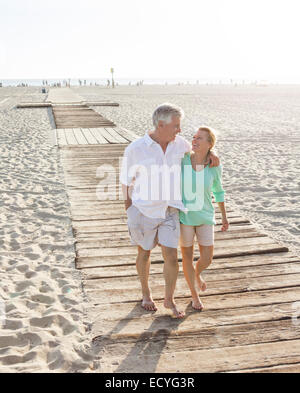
(197, 304)
(201, 283)
(148, 304)
(172, 306)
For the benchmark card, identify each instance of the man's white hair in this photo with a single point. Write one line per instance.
(166, 112)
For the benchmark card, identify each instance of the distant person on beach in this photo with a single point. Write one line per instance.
(199, 220)
(154, 219)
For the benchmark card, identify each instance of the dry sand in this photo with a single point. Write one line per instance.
(42, 320)
(42, 324)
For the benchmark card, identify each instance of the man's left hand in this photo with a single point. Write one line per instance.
(214, 160)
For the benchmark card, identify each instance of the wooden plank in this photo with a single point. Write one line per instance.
(71, 139)
(97, 134)
(127, 134)
(119, 216)
(127, 249)
(123, 237)
(92, 212)
(227, 309)
(212, 330)
(80, 136)
(104, 292)
(95, 103)
(210, 275)
(129, 259)
(124, 240)
(89, 137)
(221, 263)
(62, 140)
(116, 135)
(95, 151)
(32, 104)
(107, 135)
(283, 368)
(215, 360)
(78, 116)
(103, 226)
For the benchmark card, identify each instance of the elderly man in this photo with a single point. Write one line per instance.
(154, 219)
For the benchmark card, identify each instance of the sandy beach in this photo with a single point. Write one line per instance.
(43, 326)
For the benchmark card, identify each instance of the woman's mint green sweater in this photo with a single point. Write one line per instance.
(197, 189)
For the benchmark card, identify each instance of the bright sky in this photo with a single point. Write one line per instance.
(251, 39)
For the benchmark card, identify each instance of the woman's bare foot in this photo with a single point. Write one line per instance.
(197, 304)
(172, 306)
(148, 304)
(201, 283)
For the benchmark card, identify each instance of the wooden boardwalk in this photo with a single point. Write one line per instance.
(70, 111)
(251, 305)
(75, 116)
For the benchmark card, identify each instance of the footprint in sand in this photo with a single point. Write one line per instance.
(43, 299)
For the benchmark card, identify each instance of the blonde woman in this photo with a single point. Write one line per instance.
(199, 219)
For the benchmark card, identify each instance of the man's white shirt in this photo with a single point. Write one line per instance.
(155, 176)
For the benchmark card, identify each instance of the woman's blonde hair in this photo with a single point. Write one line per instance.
(210, 137)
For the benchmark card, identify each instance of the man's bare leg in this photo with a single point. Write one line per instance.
(143, 268)
(189, 273)
(170, 273)
(206, 256)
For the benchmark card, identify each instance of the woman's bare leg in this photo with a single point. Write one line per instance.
(206, 256)
(189, 273)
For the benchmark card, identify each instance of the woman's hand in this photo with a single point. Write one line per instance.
(225, 224)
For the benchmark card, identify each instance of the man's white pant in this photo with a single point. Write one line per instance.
(148, 232)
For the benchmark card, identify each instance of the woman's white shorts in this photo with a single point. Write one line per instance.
(204, 233)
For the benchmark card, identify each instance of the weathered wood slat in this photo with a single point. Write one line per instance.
(208, 338)
(107, 136)
(228, 263)
(92, 214)
(71, 139)
(220, 328)
(106, 225)
(210, 275)
(120, 229)
(282, 368)
(123, 241)
(128, 135)
(124, 237)
(78, 116)
(34, 105)
(129, 259)
(113, 292)
(208, 360)
(61, 137)
(89, 137)
(118, 138)
(80, 137)
(95, 103)
(97, 134)
(220, 305)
